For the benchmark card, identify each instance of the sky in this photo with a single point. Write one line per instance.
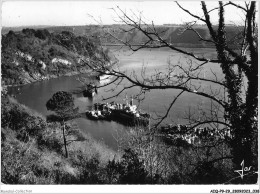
(57, 12)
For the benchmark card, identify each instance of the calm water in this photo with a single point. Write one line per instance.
(37, 94)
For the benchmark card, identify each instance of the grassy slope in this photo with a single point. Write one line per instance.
(32, 153)
(32, 150)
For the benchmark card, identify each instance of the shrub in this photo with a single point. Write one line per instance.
(59, 176)
(50, 141)
(134, 171)
(90, 171)
(17, 163)
(42, 34)
(130, 170)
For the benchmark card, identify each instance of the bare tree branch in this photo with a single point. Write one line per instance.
(168, 110)
(187, 11)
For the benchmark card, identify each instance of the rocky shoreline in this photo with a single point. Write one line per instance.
(37, 78)
(29, 56)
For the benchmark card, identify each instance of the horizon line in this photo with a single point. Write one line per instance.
(232, 24)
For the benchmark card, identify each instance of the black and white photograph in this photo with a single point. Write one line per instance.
(129, 93)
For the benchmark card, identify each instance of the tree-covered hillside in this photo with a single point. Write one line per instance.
(178, 35)
(31, 55)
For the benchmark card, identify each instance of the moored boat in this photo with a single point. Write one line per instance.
(104, 76)
(123, 113)
(90, 91)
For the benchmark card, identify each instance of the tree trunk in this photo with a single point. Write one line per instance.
(64, 139)
(245, 142)
(242, 116)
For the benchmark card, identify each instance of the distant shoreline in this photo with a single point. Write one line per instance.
(48, 78)
(180, 45)
(72, 73)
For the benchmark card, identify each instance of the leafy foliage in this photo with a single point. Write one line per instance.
(63, 104)
(24, 158)
(42, 47)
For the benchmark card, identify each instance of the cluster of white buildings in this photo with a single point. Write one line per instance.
(63, 61)
(27, 57)
(197, 134)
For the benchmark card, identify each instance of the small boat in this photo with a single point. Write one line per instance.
(90, 91)
(91, 115)
(94, 115)
(104, 76)
(98, 115)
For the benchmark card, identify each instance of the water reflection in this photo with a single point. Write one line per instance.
(37, 94)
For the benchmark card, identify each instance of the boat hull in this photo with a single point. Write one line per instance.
(88, 94)
(124, 115)
(129, 119)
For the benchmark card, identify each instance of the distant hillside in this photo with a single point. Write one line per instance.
(171, 33)
(30, 55)
(176, 35)
(5, 30)
(34, 54)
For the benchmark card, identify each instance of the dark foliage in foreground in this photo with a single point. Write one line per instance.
(32, 153)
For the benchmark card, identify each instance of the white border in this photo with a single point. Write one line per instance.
(127, 188)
